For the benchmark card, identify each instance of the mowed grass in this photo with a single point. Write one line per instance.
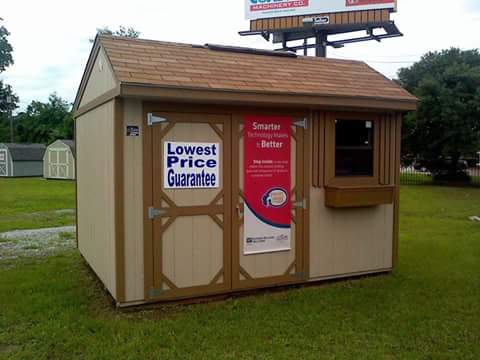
(429, 308)
(30, 203)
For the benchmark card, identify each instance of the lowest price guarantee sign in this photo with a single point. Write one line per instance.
(267, 184)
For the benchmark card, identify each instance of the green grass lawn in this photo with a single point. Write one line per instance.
(428, 309)
(32, 203)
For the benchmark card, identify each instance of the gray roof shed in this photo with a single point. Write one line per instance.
(26, 152)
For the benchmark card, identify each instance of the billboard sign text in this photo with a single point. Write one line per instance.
(261, 9)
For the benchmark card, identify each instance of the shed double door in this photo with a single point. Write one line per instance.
(197, 234)
(3, 162)
(58, 163)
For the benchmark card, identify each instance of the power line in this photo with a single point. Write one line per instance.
(391, 62)
(379, 61)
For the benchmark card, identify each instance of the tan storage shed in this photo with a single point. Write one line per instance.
(59, 160)
(205, 170)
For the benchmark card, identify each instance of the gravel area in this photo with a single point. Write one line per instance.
(38, 242)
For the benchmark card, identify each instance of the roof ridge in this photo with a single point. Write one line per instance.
(132, 39)
(22, 144)
(233, 48)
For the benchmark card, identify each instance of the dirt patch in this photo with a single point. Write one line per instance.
(38, 242)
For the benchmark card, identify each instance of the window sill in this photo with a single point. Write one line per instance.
(358, 196)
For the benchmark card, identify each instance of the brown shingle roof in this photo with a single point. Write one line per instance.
(165, 64)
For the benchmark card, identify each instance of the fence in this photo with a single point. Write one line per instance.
(413, 175)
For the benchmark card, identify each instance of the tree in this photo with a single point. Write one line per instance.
(45, 122)
(446, 125)
(6, 92)
(122, 31)
(6, 49)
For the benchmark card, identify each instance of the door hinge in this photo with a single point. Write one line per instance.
(153, 213)
(152, 119)
(154, 293)
(300, 275)
(300, 204)
(302, 123)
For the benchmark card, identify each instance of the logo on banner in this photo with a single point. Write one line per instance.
(191, 165)
(276, 198)
(260, 5)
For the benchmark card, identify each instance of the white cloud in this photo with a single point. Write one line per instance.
(51, 47)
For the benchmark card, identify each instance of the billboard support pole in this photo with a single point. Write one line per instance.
(321, 44)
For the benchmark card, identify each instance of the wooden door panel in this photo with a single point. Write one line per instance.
(268, 268)
(192, 236)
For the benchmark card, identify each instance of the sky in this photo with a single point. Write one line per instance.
(51, 37)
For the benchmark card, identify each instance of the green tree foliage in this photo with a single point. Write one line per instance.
(122, 31)
(6, 49)
(45, 122)
(446, 126)
(6, 91)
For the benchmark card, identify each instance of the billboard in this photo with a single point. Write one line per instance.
(262, 9)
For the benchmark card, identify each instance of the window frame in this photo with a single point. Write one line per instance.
(353, 181)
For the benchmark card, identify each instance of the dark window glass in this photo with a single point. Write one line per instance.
(353, 148)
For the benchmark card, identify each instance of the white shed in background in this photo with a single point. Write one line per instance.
(59, 160)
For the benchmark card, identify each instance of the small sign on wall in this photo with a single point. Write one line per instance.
(133, 130)
(191, 165)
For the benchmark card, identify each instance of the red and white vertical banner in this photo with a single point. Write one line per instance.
(267, 184)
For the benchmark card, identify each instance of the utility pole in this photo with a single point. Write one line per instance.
(10, 117)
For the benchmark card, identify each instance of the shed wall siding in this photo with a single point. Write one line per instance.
(351, 240)
(346, 241)
(71, 166)
(95, 192)
(27, 168)
(134, 209)
(100, 81)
